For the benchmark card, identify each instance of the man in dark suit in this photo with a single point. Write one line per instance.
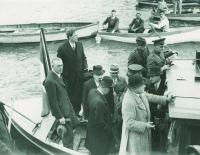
(137, 25)
(75, 63)
(99, 138)
(90, 84)
(59, 102)
(159, 114)
(113, 22)
(139, 55)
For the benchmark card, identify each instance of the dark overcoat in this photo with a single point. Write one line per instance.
(59, 101)
(99, 138)
(87, 86)
(75, 62)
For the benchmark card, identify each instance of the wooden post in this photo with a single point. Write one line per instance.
(179, 6)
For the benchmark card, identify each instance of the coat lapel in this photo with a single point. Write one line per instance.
(59, 80)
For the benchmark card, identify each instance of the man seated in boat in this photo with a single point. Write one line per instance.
(60, 105)
(113, 22)
(162, 26)
(137, 25)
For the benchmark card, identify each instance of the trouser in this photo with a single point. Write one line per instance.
(137, 31)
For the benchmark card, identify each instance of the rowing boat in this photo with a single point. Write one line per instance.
(182, 19)
(175, 35)
(30, 33)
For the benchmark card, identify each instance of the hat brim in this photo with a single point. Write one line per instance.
(98, 72)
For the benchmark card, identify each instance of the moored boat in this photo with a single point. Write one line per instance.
(182, 19)
(175, 35)
(30, 33)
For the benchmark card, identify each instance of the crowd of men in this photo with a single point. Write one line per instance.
(71, 86)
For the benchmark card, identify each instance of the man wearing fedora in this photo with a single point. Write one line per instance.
(119, 88)
(90, 84)
(139, 55)
(99, 138)
(159, 114)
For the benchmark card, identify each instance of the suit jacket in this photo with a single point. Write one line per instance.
(99, 136)
(113, 24)
(59, 102)
(136, 138)
(74, 61)
(137, 24)
(155, 60)
(87, 86)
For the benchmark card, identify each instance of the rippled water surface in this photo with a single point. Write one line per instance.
(19, 64)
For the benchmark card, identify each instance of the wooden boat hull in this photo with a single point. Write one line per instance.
(30, 33)
(183, 19)
(176, 35)
(31, 108)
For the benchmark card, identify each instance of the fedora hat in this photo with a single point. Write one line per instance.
(107, 82)
(98, 70)
(114, 69)
(154, 71)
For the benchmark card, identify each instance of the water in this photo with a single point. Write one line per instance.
(19, 64)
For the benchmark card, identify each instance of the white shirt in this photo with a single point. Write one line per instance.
(56, 73)
(73, 45)
(162, 24)
(157, 84)
(97, 83)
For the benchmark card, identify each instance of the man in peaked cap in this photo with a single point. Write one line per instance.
(139, 55)
(99, 137)
(90, 84)
(157, 58)
(158, 113)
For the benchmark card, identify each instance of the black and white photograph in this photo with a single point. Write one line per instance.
(99, 77)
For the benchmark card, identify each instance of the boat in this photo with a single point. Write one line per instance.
(175, 35)
(30, 33)
(183, 81)
(25, 117)
(189, 19)
(186, 7)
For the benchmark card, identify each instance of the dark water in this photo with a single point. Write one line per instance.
(19, 64)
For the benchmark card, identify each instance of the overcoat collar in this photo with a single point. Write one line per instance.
(59, 80)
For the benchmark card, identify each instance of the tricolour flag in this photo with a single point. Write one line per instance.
(45, 67)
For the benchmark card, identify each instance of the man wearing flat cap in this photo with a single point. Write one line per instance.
(90, 84)
(99, 138)
(139, 55)
(119, 88)
(157, 58)
(159, 114)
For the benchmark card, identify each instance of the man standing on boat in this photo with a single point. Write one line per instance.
(137, 25)
(99, 138)
(163, 24)
(159, 114)
(113, 22)
(157, 57)
(75, 64)
(90, 84)
(139, 55)
(59, 102)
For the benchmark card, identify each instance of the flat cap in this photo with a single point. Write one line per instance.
(134, 68)
(140, 41)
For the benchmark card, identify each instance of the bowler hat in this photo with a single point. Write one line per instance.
(140, 41)
(133, 69)
(106, 82)
(114, 69)
(154, 71)
(98, 70)
(160, 41)
(135, 81)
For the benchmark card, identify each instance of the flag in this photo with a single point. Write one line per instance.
(45, 67)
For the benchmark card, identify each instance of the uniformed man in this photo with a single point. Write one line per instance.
(139, 55)
(157, 58)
